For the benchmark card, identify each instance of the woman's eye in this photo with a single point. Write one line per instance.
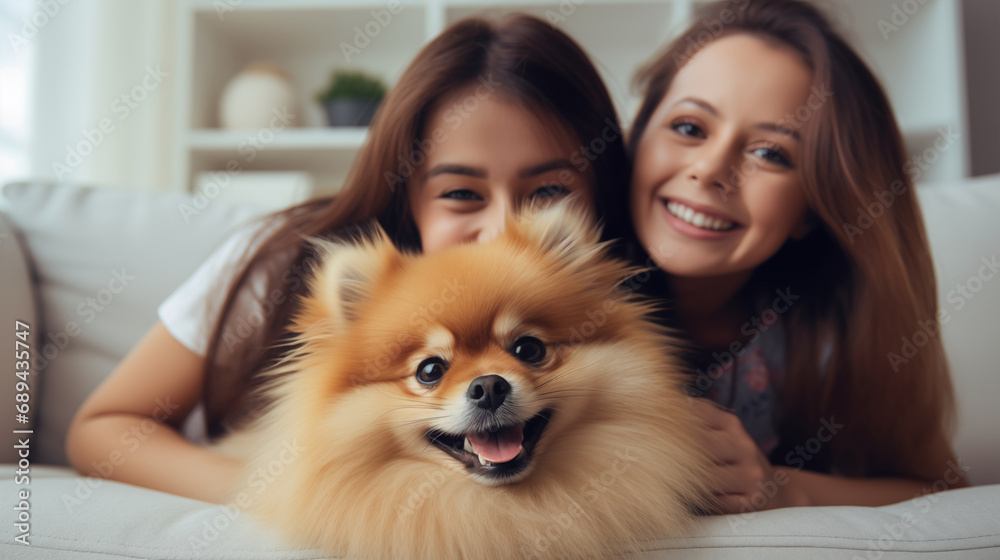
(461, 194)
(550, 191)
(688, 129)
(431, 370)
(528, 349)
(772, 155)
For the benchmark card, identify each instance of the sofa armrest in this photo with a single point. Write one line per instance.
(102, 260)
(17, 303)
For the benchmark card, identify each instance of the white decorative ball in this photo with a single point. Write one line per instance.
(254, 96)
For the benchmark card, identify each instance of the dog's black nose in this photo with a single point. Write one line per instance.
(488, 391)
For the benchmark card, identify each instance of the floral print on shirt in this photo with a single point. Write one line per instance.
(747, 386)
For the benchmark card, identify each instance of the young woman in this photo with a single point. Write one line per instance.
(486, 117)
(761, 140)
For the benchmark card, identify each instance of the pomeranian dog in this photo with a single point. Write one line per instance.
(494, 401)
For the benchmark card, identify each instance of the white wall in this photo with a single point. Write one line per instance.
(97, 64)
(17, 54)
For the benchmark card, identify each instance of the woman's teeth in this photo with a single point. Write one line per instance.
(698, 219)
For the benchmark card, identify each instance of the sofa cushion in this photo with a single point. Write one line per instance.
(103, 260)
(17, 303)
(964, 235)
(75, 517)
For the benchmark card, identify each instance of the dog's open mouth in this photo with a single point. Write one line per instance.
(498, 454)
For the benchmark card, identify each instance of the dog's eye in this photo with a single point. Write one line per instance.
(431, 370)
(528, 349)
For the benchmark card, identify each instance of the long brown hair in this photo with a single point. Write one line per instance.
(864, 274)
(528, 62)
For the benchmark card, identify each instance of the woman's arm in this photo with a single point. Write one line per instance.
(746, 480)
(807, 488)
(128, 429)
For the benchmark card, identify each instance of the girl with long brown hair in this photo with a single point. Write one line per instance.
(769, 189)
(487, 117)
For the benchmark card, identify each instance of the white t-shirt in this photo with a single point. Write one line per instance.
(192, 310)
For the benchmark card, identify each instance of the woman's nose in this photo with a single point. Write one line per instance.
(711, 166)
(494, 218)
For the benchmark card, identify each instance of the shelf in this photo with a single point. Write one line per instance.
(310, 138)
(307, 43)
(214, 6)
(919, 64)
(282, 31)
(328, 167)
(617, 36)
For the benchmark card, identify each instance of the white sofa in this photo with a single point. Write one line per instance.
(86, 268)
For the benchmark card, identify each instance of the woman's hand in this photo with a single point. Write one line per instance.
(745, 479)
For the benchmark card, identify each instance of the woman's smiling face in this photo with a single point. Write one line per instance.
(716, 187)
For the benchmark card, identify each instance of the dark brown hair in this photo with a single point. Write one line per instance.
(864, 275)
(529, 62)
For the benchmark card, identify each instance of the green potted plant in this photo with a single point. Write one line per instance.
(352, 98)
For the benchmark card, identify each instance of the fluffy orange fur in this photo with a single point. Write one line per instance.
(342, 461)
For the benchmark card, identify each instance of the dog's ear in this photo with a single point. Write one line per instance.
(348, 270)
(566, 228)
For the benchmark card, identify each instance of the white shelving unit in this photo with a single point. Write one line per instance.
(920, 64)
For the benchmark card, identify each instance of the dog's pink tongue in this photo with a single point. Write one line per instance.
(497, 447)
